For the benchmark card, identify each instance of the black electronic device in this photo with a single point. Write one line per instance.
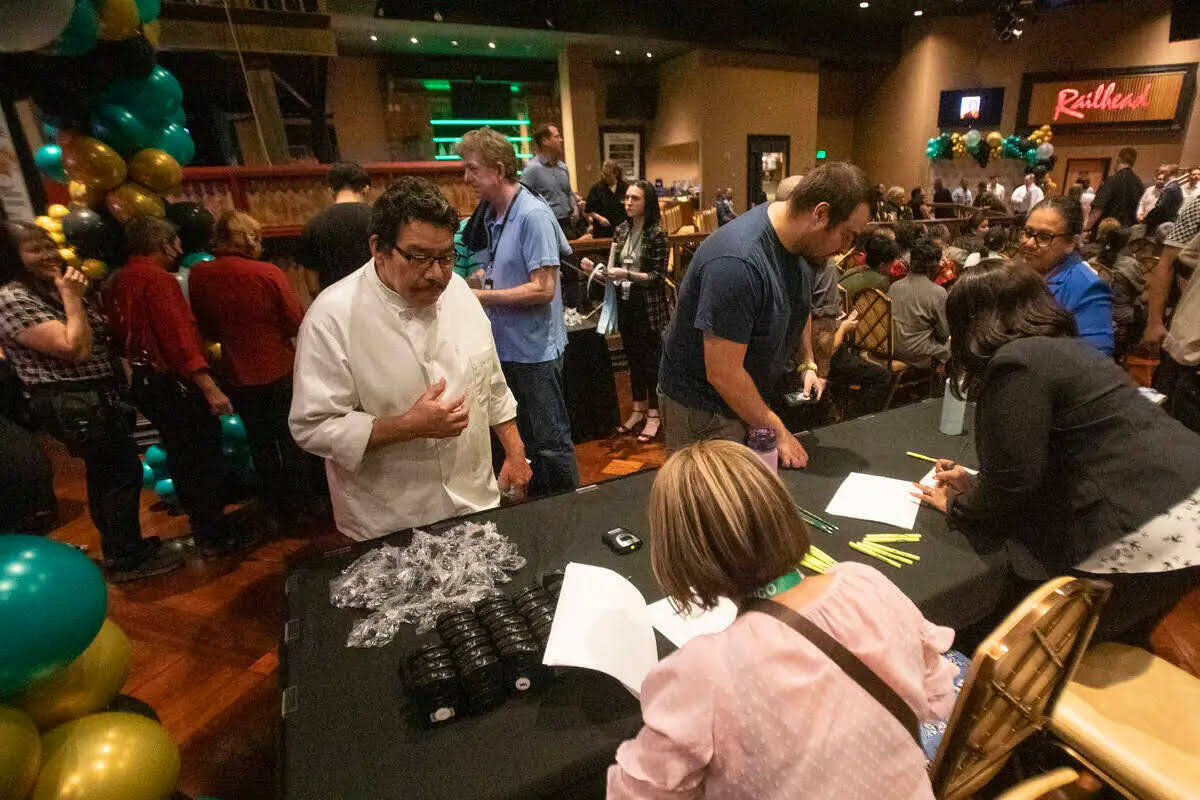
(622, 541)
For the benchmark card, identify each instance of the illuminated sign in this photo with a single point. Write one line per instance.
(1146, 97)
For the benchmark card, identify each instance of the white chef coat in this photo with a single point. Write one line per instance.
(363, 352)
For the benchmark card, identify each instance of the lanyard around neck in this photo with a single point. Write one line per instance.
(494, 241)
(779, 585)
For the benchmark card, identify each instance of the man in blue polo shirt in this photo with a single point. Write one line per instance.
(547, 175)
(743, 312)
(522, 298)
(1049, 244)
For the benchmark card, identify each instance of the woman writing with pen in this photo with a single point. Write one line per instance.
(1078, 473)
(759, 711)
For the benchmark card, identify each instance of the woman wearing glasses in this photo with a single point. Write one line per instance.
(1050, 245)
(250, 308)
(1078, 472)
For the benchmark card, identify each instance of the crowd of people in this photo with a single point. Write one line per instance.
(427, 379)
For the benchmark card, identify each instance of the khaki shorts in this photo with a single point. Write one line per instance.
(683, 426)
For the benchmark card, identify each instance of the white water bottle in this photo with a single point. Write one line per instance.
(954, 413)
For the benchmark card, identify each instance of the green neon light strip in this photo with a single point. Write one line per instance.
(452, 139)
(447, 158)
(436, 86)
(478, 122)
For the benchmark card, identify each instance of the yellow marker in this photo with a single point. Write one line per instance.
(920, 457)
(873, 554)
(892, 550)
(892, 537)
(894, 556)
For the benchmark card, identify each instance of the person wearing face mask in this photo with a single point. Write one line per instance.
(172, 385)
(397, 380)
(1050, 245)
(638, 265)
(743, 312)
(57, 343)
(250, 308)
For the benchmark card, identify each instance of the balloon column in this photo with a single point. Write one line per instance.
(1035, 150)
(61, 664)
(156, 474)
(115, 118)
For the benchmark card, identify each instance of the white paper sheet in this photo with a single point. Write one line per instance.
(602, 623)
(876, 498)
(682, 628)
(928, 479)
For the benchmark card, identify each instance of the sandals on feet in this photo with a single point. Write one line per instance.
(635, 419)
(651, 429)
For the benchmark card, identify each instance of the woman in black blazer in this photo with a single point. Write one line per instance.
(1078, 472)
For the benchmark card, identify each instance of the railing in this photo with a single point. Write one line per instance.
(293, 6)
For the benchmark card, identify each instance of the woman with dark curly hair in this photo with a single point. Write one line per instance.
(1078, 472)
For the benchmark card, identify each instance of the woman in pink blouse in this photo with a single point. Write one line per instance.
(757, 711)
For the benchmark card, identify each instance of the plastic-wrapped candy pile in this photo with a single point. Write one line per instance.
(414, 584)
(572, 318)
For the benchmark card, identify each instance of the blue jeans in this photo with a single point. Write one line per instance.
(543, 424)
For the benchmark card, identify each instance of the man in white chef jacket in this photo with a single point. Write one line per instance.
(397, 381)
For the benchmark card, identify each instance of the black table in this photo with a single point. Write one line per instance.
(346, 731)
(589, 389)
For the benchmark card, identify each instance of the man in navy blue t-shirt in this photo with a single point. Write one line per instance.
(743, 310)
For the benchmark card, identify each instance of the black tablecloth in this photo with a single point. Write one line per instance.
(588, 387)
(346, 732)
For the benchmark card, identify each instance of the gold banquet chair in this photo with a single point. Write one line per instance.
(1133, 719)
(1014, 680)
(874, 336)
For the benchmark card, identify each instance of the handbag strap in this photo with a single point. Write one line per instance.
(859, 672)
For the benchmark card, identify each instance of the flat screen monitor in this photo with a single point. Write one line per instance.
(971, 108)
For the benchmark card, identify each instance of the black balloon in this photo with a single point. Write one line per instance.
(128, 58)
(195, 224)
(93, 234)
(982, 154)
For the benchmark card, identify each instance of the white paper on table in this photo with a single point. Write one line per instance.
(602, 623)
(876, 498)
(682, 628)
(929, 481)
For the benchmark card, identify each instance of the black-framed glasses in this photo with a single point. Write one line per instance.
(425, 261)
(1042, 238)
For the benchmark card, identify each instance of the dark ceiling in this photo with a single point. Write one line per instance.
(834, 29)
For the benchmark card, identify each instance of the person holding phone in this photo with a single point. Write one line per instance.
(637, 263)
(57, 343)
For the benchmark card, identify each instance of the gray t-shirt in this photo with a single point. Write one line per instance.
(552, 182)
(919, 320)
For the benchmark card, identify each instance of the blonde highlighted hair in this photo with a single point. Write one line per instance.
(721, 525)
(238, 232)
(493, 149)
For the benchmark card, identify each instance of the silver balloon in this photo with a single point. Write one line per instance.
(28, 29)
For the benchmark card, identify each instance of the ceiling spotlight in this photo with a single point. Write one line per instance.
(649, 54)
(454, 42)
(374, 38)
(918, 13)
(864, 4)
(413, 39)
(616, 52)
(1008, 23)
(492, 45)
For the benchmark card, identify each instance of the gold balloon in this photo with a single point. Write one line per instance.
(994, 139)
(57, 237)
(152, 31)
(20, 754)
(118, 19)
(155, 169)
(109, 756)
(92, 680)
(214, 351)
(47, 223)
(93, 163)
(57, 211)
(130, 200)
(96, 269)
(83, 195)
(69, 256)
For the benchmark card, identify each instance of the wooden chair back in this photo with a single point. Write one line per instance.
(874, 330)
(843, 300)
(1014, 679)
(672, 219)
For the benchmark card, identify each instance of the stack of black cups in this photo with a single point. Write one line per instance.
(479, 665)
(434, 684)
(537, 607)
(516, 641)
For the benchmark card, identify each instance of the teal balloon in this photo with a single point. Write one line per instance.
(156, 457)
(48, 159)
(232, 428)
(149, 10)
(148, 476)
(165, 489)
(49, 132)
(176, 141)
(52, 603)
(80, 35)
(194, 258)
(155, 98)
(120, 130)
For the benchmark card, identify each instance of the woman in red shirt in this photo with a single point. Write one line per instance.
(250, 308)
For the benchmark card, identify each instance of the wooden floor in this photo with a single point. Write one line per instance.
(205, 636)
